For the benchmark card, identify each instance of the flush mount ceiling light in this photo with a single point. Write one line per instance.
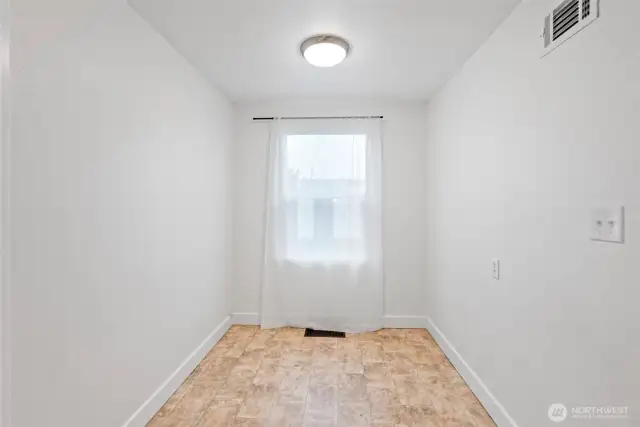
(324, 50)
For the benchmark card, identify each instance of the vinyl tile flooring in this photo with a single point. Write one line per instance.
(279, 378)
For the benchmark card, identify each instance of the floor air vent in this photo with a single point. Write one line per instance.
(318, 333)
(567, 20)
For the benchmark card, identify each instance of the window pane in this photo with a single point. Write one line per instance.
(306, 219)
(347, 219)
(324, 185)
(325, 165)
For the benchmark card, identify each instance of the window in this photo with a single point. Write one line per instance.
(324, 186)
(323, 224)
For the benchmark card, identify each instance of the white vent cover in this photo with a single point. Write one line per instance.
(566, 20)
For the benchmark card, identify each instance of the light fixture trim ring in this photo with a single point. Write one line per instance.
(325, 38)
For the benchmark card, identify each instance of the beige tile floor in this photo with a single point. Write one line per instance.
(278, 378)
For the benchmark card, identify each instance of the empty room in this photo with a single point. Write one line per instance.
(338, 213)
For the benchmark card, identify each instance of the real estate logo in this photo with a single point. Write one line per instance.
(557, 412)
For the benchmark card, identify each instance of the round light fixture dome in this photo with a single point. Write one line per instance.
(324, 50)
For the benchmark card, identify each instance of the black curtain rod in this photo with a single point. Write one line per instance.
(260, 119)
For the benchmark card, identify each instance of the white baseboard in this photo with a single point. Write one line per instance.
(149, 408)
(475, 383)
(403, 322)
(394, 322)
(245, 318)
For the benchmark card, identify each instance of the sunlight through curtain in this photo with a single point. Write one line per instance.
(323, 248)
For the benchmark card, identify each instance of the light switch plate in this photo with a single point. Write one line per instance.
(607, 224)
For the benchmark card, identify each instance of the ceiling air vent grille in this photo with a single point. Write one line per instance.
(586, 9)
(567, 20)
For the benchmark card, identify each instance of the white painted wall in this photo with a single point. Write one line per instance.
(120, 223)
(519, 150)
(403, 192)
(4, 138)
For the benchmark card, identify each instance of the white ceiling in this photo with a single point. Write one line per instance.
(401, 49)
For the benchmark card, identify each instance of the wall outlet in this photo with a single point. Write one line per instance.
(495, 268)
(607, 224)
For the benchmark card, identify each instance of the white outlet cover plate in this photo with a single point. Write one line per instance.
(607, 224)
(495, 268)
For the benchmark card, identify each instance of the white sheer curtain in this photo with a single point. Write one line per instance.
(323, 245)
